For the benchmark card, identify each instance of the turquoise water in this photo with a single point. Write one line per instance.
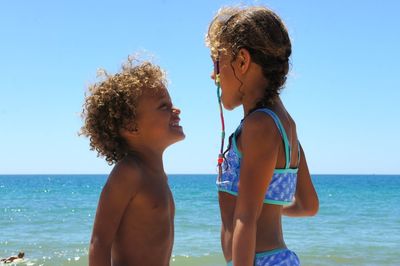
(50, 217)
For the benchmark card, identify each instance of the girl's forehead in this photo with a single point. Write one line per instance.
(222, 52)
(222, 57)
(214, 54)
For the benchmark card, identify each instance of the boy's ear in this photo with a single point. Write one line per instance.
(243, 60)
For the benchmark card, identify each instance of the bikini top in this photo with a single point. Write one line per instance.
(283, 183)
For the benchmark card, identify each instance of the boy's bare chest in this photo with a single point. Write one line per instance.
(153, 198)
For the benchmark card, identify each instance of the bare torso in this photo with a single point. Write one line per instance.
(146, 232)
(269, 227)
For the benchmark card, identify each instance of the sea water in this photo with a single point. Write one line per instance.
(50, 218)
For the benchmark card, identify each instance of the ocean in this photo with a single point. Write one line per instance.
(50, 218)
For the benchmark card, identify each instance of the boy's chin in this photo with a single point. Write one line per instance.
(177, 138)
(181, 137)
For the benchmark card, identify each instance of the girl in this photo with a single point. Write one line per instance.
(263, 173)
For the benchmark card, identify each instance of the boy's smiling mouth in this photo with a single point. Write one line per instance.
(175, 123)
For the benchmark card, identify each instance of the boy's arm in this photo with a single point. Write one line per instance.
(120, 188)
(306, 200)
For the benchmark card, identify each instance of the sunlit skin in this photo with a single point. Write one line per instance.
(248, 225)
(134, 223)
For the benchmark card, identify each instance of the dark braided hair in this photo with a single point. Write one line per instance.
(261, 32)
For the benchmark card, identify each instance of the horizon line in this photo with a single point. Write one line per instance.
(21, 174)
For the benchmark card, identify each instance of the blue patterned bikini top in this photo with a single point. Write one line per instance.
(283, 183)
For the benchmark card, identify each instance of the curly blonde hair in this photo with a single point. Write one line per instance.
(112, 105)
(262, 33)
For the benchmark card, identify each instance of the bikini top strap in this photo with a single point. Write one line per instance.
(234, 139)
(298, 153)
(281, 131)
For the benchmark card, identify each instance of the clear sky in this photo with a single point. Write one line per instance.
(343, 88)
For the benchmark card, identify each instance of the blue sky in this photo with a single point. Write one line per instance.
(343, 88)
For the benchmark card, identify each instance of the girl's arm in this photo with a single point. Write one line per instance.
(115, 196)
(260, 141)
(306, 200)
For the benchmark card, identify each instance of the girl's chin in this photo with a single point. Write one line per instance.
(229, 107)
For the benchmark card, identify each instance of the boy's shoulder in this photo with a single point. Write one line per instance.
(127, 172)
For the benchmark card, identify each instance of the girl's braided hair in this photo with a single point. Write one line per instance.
(263, 34)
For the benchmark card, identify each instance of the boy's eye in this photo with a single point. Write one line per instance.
(165, 106)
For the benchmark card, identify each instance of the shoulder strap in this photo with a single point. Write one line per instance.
(281, 131)
(234, 137)
(298, 153)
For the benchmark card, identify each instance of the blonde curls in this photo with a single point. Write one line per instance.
(112, 103)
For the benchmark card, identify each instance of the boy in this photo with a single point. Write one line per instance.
(130, 119)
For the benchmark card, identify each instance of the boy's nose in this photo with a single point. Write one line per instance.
(176, 110)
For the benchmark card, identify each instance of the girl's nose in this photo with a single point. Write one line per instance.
(212, 75)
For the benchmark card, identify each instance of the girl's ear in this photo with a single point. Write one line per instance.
(243, 60)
